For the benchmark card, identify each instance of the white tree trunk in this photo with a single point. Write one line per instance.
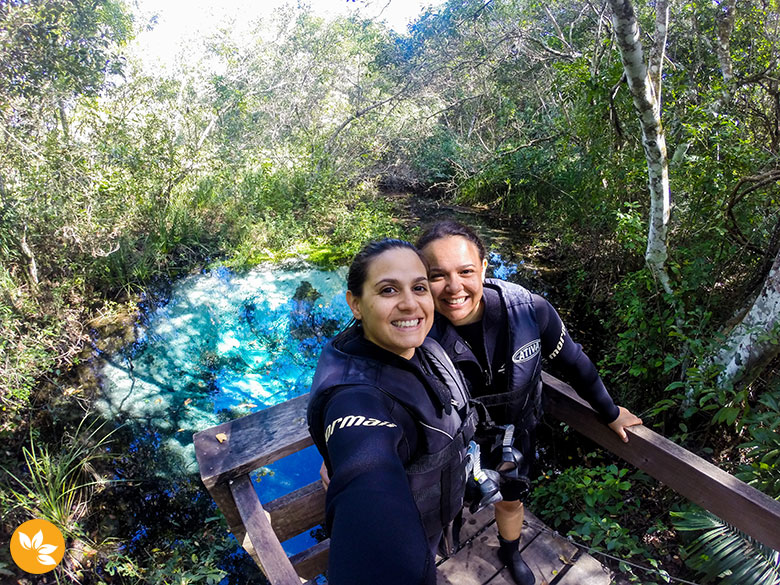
(756, 340)
(725, 17)
(32, 267)
(645, 87)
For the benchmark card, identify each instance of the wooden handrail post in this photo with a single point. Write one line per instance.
(271, 556)
(703, 483)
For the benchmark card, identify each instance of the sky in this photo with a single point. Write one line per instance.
(179, 20)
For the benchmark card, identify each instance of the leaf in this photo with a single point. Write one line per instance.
(728, 414)
(47, 549)
(46, 560)
(221, 437)
(37, 540)
(24, 540)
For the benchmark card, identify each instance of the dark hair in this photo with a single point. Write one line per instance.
(358, 270)
(449, 227)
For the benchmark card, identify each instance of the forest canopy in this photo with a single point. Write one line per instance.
(638, 141)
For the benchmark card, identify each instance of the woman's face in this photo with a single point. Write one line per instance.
(456, 274)
(395, 308)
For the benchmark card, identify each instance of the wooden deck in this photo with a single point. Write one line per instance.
(228, 453)
(553, 559)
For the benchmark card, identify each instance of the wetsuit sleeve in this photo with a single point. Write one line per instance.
(376, 532)
(567, 357)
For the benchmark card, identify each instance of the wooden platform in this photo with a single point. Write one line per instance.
(553, 559)
(229, 452)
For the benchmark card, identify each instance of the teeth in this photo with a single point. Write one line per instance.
(412, 323)
(458, 301)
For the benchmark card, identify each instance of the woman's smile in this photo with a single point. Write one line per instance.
(395, 307)
(456, 273)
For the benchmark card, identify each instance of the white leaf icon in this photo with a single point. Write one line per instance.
(24, 540)
(47, 549)
(37, 540)
(46, 560)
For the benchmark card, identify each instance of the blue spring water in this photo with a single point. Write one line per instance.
(226, 345)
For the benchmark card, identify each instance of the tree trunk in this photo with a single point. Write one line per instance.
(63, 120)
(645, 87)
(32, 267)
(755, 341)
(725, 18)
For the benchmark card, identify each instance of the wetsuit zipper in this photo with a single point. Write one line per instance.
(487, 374)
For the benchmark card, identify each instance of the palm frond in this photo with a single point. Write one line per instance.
(722, 552)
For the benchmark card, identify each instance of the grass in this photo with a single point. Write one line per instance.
(57, 486)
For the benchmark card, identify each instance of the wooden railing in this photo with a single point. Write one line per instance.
(228, 453)
(703, 483)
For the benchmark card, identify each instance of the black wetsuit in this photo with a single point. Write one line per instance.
(371, 414)
(492, 343)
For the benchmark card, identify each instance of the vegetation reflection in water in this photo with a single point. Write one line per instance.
(225, 345)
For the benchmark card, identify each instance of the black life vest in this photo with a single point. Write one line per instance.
(445, 421)
(520, 403)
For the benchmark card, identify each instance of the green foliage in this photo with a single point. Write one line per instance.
(512, 106)
(593, 501)
(30, 342)
(599, 505)
(67, 46)
(188, 561)
(57, 485)
(644, 330)
(631, 229)
(762, 450)
(723, 553)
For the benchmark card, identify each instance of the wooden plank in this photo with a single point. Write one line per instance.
(475, 523)
(586, 569)
(252, 441)
(477, 561)
(297, 511)
(530, 521)
(474, 564)
(546, 554)
(313, 561)
(701, 482)
(272, 560)
(224, 500)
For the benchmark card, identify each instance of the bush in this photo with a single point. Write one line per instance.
(597, 505)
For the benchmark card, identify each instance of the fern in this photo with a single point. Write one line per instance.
(722, 552)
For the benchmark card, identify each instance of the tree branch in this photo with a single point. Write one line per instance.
(656, 58)
(737, 194)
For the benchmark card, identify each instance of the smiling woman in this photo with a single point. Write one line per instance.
(490, 317)
(395, 305)
(389, 413)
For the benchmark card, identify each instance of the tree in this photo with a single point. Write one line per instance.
(50, 53)
(644, 82)
(60, 47)
(755, 340)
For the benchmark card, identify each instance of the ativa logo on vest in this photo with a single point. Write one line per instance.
(528, 351)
